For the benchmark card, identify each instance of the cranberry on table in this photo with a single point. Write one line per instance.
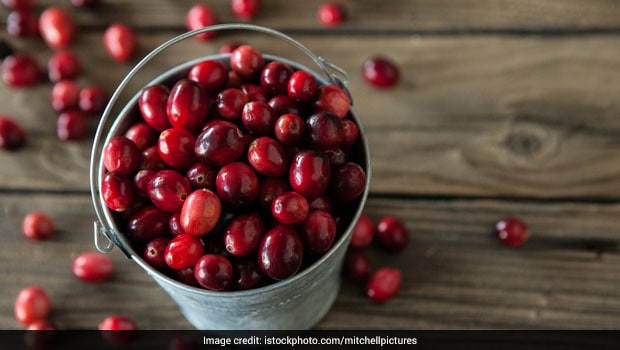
(183, 251)
(511, 231)
(237, 184)
(247, 274)
(187, 105)
(244, 234)
(219, 143)
(230, 102)
(199, 16)
(154, 252)
(37, 226)
(280, 253)
(21, 70)
(324, 131)
(384, 284)
(71, 125)
(392, 234)
(176, 148)
(310, 173)
(117, 191)
(245, 9)
(121, 155)
(22, 23)
(92, 267)
(347, 182)
(289, 129)
(357, 266)
(168, 189)
(214, 272)
(247, 62)
(200, 212)
(32, 304)
(63, 65)
(332, 99)
(380, 72)
(363, 232)
(275, 76)
(290, 208)
(153, 104)
(318, 231)
(93, 99)
(331, 14)
(268, 157)
(211, 74)
(270, 188)
(142, 135)
(259, 118)
(146, 224)
(254, 92)
(120, 42)
(57, 27)
(111, 324)
(12, 135)
(302, 86)
(65, 95)
(201, 175)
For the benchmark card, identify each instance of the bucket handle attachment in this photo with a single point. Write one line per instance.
(103, 242)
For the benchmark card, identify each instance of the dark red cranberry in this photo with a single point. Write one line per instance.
(214, 272)
(357, 266)
(384, 284)
(318, 231)
(200, 16)
(254, 92)
(168, 190)
(237, 184)
(150, 159)
(153, 103)
(331, 98)
(19, 4)
(259, 118)
(380, 72)
(324, 131)
(63, 65)
(310, 173)
(20, 70)
(176, 148)
(121, 155)
(289, 129)
(200, 212)
(268, 157)
(148, 223)
(141, 181)
(290, 208)
(363, 232)
(12, 135)
(219, 143)
(211, 74)
(244, 234)
(337, 157)
(229, 103)
(154, 252)
(93, 99)
(229, 47)
(511, 231)
(275, 76)
(247, 274)
(347, 182)
(32, 304)
(247, 62)
(302, 86)
(187, 105)
(282, 104)
(322, 202)
(37, 226)
(110, 325)
(71, 125)
(331, 14)
(22, 23)
(201, 175)
(351, 132)
(270, 188)
(85, 3)
(65, 95)
(142, 135)
(92, 267)
(245, 9)
(186, 276)
(175, 224)
(57, 27)
(120, 42)
(392, 234)
(183, 252)
(117, 191)
(280, 253)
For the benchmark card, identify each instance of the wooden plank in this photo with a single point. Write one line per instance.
(456, 275)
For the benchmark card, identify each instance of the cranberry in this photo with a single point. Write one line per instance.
(331, 14)
(85, 3)
(117, 191)
(32, 304)
(259, 118)
(333, 99)
(211, 74)
(92, 267)
(247, 62)
(322, 202)
(63, 65)
(337, 157)
(120, 42)
(19, 4)
(37, 226)
(275, 76)
(357, 266)
(154, 252)
(282, 104)
(22, 23)
(247, 274)
(71, 125)
(351, 132)
(200, 212)
(511, 231)
(302, 86)
(380, 72)
(176, 148)
(280, 253)
(309, 174)
(111, 324)
(141, 181)
(229, 47)
(148, 223)
(237, 184)
(229, 103)
(150, 159)
(290, 208)
(245, 9)
(57, 27)
(200, 16)
(12, 136)
(214, 272)
(20, 70)
(254, 92)
(185, 276)
(289, 129)
(65, 95)
(244, 234)
(268, 157)
(121, 155)
(142, 135)
(175, 224)
(187, 105)
(384, 284)
(201, 175)
(324, 131)
(183, 252)
(318, 231)
(219, 143)
(153, 102)
(347, 182)
(168, 190)
(93, 99)
(363, 232)
(392, 234)
(270, 188)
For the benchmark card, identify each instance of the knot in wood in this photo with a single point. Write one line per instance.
(524, 142)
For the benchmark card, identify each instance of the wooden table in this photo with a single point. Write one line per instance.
(505, 107)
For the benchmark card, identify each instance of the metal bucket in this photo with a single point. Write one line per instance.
(298, 302)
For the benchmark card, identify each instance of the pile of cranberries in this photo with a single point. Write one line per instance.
(239, 174)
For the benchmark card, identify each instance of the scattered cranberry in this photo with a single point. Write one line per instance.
(237, 184)
(93, 99)
(19, 4)
(380, 72)
(384, 284)
(348, 182)
(32, 304)
(290, 208)
(318, 231)
(199, 16)
(392, 234)
(280, 253)
(142, 135)
(121, 42)
(214, 272)
(154, 252)
(71, 125)
(187, 105)
(363, 232)
(22, 23)
(183, 252)
(57, 27)
(357, 266)
(245, 9)
(247, 62)
(111, 324)
(219, 143)
(211, 74)
(331, 14)
(117, 191)
(37, 226)
(121, 155)
(511, 231)
(168, 190)
(21, 70)
(309, 174)
(176, 148)
(200, 212)
(302, 86)
(63, 65)
(92, 267)
(65, 95)
(332, 99)
(12, 136)
(147, 224)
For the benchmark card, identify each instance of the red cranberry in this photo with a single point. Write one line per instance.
(268, 157)
(290, 208)
(331, 14)
(19, 4)
(211, 74)
(154, 252)
(275, 76)
(237, 184)
(214, 272)
(71, 125)
(65, 95)
(245, 9)
(150, 159)
(121, 155)
(63, 65)
(92, 267)
(333, 99)
(200, 212)
(57, 27)
(185, 276)
(254, 92)
(324, 131)
(282, 104)
(201, 175)
(37, 226)
(200, 16)
(148, 223)
(318, 231)
(183, 252)
(229, 47)
(229, 103)
(309, 174)
(351, 132)
(380, 72)
(111, 324)
(141, 181)
(270, 188)
(176, 148)
(187, 105)
(121, 42)
(244, 234)
(22, 23)
(20, 70)
(259, 118)
(12, 136)
(142, 135)
(93, 99)
(175, 224)
(168, 190)
(32, 304)
(153, 103)
(511, 231)
(347, 182)
(357, 266)
(247, 62)
(280, 253)
(117, 191)
(322, 202)
(85, 3)
(384, 284)
(247, 274)
(363, 232)
(392, 234)
(337, 157)
(219, 143)
(289, 129)
(302, 86)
